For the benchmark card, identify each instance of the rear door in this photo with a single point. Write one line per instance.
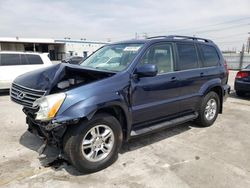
(192, 75)
(156, 97)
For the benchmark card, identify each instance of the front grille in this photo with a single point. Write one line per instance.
(25, 96)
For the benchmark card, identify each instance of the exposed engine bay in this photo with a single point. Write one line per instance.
(61, 77)
(75, 77)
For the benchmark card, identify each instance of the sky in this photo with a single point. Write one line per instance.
(227, 22)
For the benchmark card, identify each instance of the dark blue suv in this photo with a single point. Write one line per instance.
(121, 91)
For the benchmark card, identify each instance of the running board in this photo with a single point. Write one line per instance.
(165, 124)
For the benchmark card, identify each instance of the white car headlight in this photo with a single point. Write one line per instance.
(48, 106)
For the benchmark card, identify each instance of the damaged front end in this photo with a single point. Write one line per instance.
(42, 94)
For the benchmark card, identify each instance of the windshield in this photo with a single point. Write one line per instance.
(113, 58)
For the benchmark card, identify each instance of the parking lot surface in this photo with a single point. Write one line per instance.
(183, 156)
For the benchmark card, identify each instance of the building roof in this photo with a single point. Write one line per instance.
(47, 41)
(27, 40)
(79, 41)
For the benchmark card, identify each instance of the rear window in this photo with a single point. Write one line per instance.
(187, 57)
(34, 59)
(9, 59)
(19, 59)
(210, 56)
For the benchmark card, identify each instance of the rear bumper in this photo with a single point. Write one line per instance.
(226, 91)
(242, 86)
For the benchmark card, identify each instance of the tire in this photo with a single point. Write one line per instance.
(204, 119)
(240, 93)
(98, 154)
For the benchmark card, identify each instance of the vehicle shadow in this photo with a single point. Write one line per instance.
(151, 138)
(235, 96)
(50, 155)
(49, 158)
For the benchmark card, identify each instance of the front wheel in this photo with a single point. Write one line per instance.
(209, 110)
(93, 145)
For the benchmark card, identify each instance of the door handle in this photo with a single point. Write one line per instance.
(173, 79)
(201, 74)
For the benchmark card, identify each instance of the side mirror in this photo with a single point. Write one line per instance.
(147, 70)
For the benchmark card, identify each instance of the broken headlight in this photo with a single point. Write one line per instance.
(48, 106)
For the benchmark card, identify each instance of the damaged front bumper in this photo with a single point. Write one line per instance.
(50, 132)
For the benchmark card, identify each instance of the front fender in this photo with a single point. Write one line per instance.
(86, 108)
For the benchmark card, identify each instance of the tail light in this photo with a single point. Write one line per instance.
(226, 67)
(242, 74)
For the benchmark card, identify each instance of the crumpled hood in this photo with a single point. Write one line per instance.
(47, 78)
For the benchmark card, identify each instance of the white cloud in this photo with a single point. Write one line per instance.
(99, 20)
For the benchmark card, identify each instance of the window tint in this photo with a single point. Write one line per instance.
(23, 60)
(187, 56)
(160, 55)
(210, 56)
(34, 59)
(10, 59)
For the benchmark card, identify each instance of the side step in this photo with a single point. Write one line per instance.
(162, 125)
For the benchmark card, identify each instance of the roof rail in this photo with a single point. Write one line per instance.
(182, 37)
(155, 37)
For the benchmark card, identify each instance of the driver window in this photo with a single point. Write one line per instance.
(160, 55)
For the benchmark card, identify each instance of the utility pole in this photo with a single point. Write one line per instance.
(136, 35)
(248, 43)
(242, 56)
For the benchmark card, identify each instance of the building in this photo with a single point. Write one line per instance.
(80, 47)
(58, 49)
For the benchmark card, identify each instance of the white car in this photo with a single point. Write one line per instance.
(13, 64)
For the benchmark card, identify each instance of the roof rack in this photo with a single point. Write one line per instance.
(182, 37)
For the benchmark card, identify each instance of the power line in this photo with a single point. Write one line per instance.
(194, 28)
(229, 42)
(210, 25)
(221, 23)
(220, 29)
(229, 36)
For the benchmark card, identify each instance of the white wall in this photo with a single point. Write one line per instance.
(233, 60)
(79, 48)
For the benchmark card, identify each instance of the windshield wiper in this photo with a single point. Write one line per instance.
(101, 68)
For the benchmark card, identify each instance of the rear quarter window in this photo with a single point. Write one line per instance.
(210, 56)
(188, 58)
(10, 59)
(34, 59)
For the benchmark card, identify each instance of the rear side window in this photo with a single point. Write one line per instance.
(210, 56)
(23, 59)
(10, 59)
(188, 58)
(34, 59)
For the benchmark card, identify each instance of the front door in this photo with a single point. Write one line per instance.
(156, 97)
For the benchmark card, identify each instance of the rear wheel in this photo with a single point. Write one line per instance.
(240, 93)
(209, 109)
(94, 145)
